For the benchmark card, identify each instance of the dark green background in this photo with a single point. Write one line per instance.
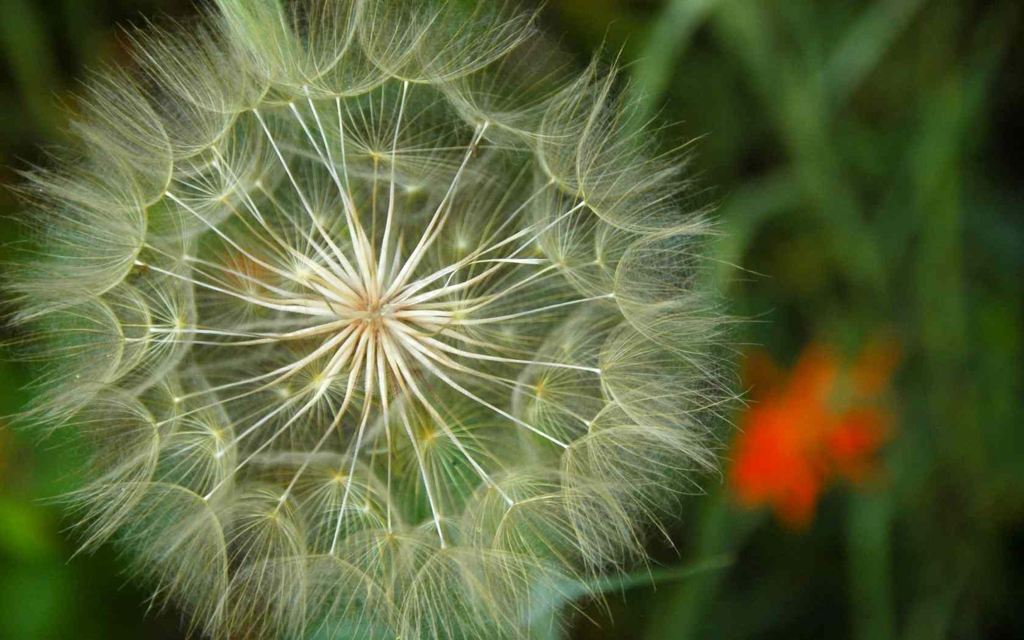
(866, 159)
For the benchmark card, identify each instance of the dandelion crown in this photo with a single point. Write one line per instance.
(374, 322)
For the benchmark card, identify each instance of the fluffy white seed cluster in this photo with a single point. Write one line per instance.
(375, 322)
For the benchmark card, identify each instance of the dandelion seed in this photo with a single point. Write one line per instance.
(376, 326)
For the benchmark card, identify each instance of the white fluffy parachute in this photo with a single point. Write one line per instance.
(377, 321)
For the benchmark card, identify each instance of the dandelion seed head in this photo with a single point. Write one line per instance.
(378, 320)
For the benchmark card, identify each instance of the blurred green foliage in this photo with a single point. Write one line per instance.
(866, 164)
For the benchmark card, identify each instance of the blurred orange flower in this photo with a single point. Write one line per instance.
(821, 423)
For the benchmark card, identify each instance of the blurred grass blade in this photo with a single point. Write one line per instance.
(25, 45)
(668, 38)
(869, 521)
(865, 43)
(744, 212)
(84, 29)
(552, 605)
(723, 532)
(664, 575)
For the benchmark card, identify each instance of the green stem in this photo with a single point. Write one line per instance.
(868, 530)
